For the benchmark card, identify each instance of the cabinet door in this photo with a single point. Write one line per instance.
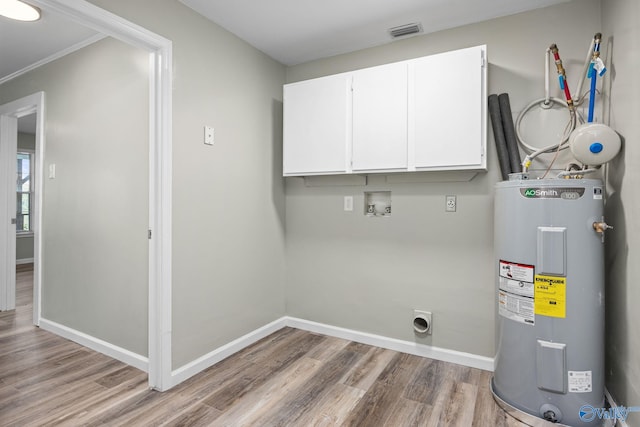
(317, 126)
(380, 118)
(449, 110)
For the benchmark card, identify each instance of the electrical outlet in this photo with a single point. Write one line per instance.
(348, 203)
(450, 203)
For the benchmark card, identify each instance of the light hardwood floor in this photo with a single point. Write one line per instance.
(291, 378)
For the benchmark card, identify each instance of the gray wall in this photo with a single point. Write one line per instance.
(228, 200)
(369, 274)
(26, 141)
(24, 248)
(24, 244)
(622, 36)
(95, 212)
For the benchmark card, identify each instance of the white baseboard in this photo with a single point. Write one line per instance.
(446, 355)
(200, 364)
(118, 353)
(24, 261)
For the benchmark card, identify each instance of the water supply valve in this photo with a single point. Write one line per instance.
(601, 227)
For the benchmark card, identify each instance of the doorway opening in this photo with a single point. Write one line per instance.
(25, 204)
(160, 106)
(21, 216)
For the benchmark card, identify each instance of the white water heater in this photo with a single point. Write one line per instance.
(549, 260)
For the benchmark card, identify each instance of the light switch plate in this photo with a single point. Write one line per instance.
(208, 135)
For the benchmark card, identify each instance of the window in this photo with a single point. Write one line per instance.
(24, 191)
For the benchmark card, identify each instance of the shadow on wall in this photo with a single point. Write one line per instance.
(277, 185)
(516, 84)
(616, 257)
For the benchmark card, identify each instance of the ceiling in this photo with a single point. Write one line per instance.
(297, 31)
(23, 44)
(290, 31)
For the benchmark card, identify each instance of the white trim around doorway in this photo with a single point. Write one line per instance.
(160, 168)
(32, 104)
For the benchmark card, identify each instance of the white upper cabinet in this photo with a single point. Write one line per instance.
(449, 110)
(380, 118)
(423, 114)
(317, 126)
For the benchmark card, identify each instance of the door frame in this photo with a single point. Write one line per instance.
(160, 168)
(9, 115)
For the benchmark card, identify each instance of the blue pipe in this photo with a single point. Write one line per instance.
(592, 93)
(594, 75)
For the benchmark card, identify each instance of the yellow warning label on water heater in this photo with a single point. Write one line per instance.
(550, 296)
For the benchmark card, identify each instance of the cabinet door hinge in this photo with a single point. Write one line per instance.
(149, 234)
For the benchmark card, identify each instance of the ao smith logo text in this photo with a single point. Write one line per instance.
(538, 192)
(552, 193)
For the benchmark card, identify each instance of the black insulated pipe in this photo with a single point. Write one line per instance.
(498, 136)
(509, 133)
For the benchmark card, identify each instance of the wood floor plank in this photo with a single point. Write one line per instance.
(191, 393)
(427, 384)
(56, 371)
(7, 392)
(117, 377)
(91, 405)
(408, 413)
(257, 374)
(266, 347)
(460, 408)
(314, 390)
(464, 374)
(24, 398)
(367, 370)
(175, 405)
(334, 408)
(35, 356)
(328, 348)
(445, 390)
(71, 371)
(125, 411)
(200, 415)
(486, 409)
(27, 341)
(33, 412)
(265, 398)
(41, 399)
(358, 347)
(373, 408)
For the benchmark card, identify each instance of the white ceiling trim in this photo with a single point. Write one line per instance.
(51, 58)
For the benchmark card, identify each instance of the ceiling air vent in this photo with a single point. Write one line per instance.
(405, 30)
